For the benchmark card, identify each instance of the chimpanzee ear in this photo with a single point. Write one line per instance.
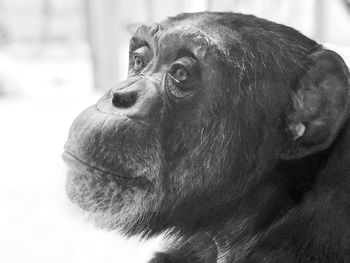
(320, 106)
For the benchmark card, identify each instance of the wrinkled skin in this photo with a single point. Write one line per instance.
(229, 133)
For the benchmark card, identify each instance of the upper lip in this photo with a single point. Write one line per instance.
(69, 158)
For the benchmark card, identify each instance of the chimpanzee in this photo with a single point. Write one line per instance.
(231, 135)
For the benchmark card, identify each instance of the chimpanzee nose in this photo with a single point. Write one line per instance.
(136, 98)
(124, 98)
(125, 94)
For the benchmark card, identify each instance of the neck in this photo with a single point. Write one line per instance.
(285, 189)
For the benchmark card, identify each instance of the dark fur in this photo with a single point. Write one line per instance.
(224, 169)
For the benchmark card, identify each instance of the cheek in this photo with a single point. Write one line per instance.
(197, 155)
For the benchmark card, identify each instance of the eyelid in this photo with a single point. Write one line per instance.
(185, 53)
(136, 43)
(144, 52)
(141, 50)
(141, 45)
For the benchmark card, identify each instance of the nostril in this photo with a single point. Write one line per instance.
(124, 99)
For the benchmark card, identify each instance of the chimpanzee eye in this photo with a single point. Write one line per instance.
(138, 63)
(184, 71)
(139, 58)
(183, 77)
(181, 74)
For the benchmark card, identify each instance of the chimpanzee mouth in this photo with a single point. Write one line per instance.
(74, 162)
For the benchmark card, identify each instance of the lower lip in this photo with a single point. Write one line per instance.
(69, 159)
(74, 163)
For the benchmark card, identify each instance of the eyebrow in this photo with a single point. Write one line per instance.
(147, 32)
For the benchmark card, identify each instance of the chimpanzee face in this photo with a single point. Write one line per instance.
(206, 109)
(159, 136)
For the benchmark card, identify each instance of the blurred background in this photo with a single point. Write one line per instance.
(56, 58)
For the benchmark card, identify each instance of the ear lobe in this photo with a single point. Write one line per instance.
(320, 105)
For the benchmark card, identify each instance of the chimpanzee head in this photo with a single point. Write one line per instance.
(212, 103)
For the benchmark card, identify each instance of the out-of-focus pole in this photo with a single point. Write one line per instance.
(320, 20)
(103, 28)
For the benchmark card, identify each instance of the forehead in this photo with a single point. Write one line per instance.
(181, 33)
